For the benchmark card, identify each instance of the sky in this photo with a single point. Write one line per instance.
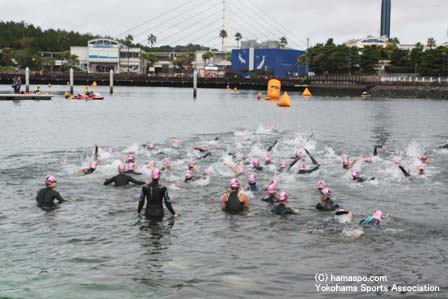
(183, 21)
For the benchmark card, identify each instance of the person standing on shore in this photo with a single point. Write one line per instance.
(16, 84)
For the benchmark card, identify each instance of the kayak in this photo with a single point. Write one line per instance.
(94, 97)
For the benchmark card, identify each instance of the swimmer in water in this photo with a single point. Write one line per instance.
(343, 216)
(368, 159)
(149, 146)
(297, 157)
(346, 164)
(202, 149)
(272, 146)
(421, 170)
(315, 162)
(156, 194)
(326, 204)
(256, 165)
(406, 172)
(382, 149)
(281, 208)
(189, 176)
(303, 170)
(234, 202)
(130, 168)
(375, 219)
(272, 195)
(46, 196)
(238, 171)
(282, 167)
(192, 165)
(166, 162)
(267, 160)
(424, 158)
(252, 184)
(91, 169)
(356, 177)
(320, 185)
(122, 179)
(445, 145)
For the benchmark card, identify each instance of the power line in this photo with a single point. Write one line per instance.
(263, 34)
(155, 18)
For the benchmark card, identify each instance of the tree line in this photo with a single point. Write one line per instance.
(330, 58)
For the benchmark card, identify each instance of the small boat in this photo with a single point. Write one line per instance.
(95, 96)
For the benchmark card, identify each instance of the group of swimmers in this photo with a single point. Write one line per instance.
(236, 200)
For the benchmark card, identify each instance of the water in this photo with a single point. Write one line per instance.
(95, 247)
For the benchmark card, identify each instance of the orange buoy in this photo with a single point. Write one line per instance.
(274, 89)
(306, 92)
(285, 101)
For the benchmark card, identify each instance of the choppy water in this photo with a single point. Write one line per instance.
(94, 246)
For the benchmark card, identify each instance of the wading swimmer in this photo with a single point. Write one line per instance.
(46, 196)
(326, 204)
(252, 184)
(281, 208)
(271, 196)
(155, 194)
(234, 202)
(256, 165)
(445, 145)
(346, 164)
(267, 160)
(122, 179)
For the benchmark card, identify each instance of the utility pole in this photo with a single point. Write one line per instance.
(307, 55)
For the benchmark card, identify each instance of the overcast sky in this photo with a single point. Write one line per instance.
(199, 21)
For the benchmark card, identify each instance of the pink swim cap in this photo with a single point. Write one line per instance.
(267, 159)
(131, 166)
(327, 192)
(252, 179)
(355, 174)
(198, 156)
(121, 168)
(424, 157)
(131, 157)
(155, 174)
(93, 165)
(188, 174)
(255, 162)
(283, 165)
(272, 190)
(321, 184)
(397, 161)
(302, 166)
(378, 215)
(150, 145)
(421, 167)
(241, 170)
(49, 180)
(283, 196)
(368, 159)
(234, 184)
(275, 183)
(166, 161)
(298, 154)
(446, 142)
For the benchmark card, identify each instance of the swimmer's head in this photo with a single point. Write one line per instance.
(155, 174)
(152, 163)
(274, 182)
(368, 160)
(191, 164)
(424, 158)
(343, 216)
(121, 168)
(283, 165)
(298, 154)
(283, 198)
(378, 215)
(255, 162)
(166, 161)
(267, 160)
(302, 166)
(92, 165)
(321, 184)
(131, 166)
(252, 179)
(188, 174)
(272, 190)
(151, 146)
(327, 192)
(131, 157)
(241, 170)
(397, 161)
(50, 180)
(234, 184)
(421, 169)
(198, 156)
(355, 174)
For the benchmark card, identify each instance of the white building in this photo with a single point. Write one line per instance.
(368, 41)
(103, 55)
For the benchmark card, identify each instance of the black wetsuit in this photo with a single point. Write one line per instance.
(328, 206)
(269, 199)
(122, 180)
(46, 197)
(155, 194)
(375, 149)
(259, 168)
(308, 170)
(281, 209)
(406, 174)
(272, 146)
(133, 172)
(96, 153)
(444, 146)
(89, 171)
(294, 162)
(233, 204)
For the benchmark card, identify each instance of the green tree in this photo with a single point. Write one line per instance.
(368, 60)
(152, 39)
(6, 57)
(206, 56)
(238, 37)
(431, 43)
(283, 42)
(129, 40)
(222, 35)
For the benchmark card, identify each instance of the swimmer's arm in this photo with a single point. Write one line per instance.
(292, 163)
(225, 197)
(137, 182)
(246, 202)
(141, 202)
(232, 168)
(109, 181)
(58, 197)
(406, 174)
(168, 203)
